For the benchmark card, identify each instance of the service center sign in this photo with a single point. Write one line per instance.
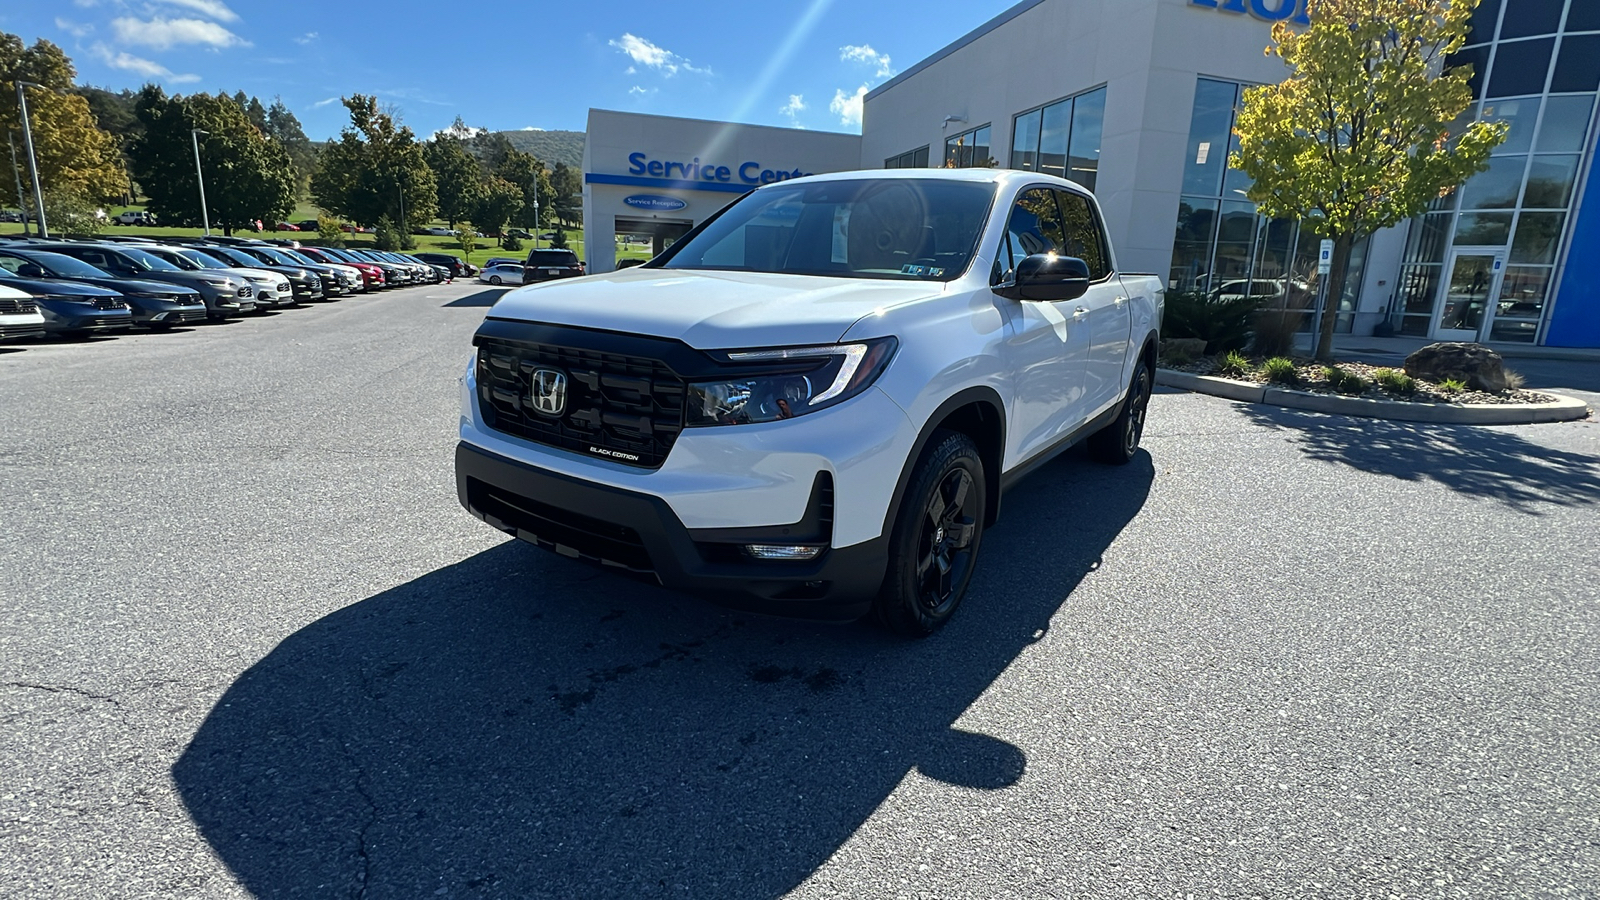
(654, 202)
(748, 173)
(1269, 10)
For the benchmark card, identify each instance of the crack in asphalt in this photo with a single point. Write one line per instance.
(65, 689)
(570, 701)
(372, 819)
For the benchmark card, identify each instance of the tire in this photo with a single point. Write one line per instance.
(934, 546)
(494, 279)
(1117, 443)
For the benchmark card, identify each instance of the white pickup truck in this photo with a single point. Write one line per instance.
(811, 404)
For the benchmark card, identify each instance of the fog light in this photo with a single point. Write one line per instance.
(158, 317)
(783, 551)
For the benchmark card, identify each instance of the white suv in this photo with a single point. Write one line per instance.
(811, 404)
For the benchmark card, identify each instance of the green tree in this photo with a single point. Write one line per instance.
(558, 238)
(248, 175)
(375, 169)
(284, 127)
(533, 183)
(500, 202)
(70, 213)
(384, 235)
(76, 156)
(458, 179)
(1363, 134)
(566, 188)
(467, 240)
(330, 231)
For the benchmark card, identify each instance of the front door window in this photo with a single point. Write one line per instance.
(1467, 290)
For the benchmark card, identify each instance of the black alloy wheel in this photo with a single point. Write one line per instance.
(933, 548)
(944, 550)
(1118, 442)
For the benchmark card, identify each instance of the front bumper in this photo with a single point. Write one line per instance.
(638, 533)
(18, 327)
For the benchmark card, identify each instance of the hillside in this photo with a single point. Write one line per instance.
(550, 146)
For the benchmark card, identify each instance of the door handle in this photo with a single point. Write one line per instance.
(1080, 312)
(1121, 300)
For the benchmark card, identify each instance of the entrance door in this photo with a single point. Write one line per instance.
(1471, 279)
(642, 239)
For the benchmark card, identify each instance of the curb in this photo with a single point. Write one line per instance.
(1562, 409)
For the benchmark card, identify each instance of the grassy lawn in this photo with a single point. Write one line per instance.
(485, 248)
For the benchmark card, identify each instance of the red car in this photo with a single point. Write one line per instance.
(286, 226)
(370, 274)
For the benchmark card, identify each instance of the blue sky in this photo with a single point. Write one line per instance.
(507, 66)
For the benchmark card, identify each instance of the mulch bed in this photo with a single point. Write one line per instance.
(1312, 379)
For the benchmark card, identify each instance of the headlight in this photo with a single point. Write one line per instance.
(801, 380)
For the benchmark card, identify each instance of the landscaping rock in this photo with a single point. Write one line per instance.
(1481, 368)
(1190, 347)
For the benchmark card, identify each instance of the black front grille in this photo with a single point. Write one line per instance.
(628, 409)
(561, 530)
(108, 303)
(24, 305)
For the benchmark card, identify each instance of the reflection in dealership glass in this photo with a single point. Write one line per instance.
(922, 229)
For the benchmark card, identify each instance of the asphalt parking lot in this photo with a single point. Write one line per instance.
(251, 646)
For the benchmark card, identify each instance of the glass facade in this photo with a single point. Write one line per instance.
(1536, 66)
(1222, 245)
(968, 150)
(1062, 138)
(911, 159)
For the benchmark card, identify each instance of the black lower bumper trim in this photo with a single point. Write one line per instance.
(639, 533)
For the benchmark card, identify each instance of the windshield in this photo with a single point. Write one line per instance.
(202, 260)
(177, 259)
(151, 261)
(925, 229)
(64, 266)
(238, 259)
(298, 257)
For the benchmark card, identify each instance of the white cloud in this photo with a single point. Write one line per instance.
(636, 90)
(161, 33)
(213, 8)
(651, 56)
(145, 68)
(328, 101)
(530, 128)
(76, 29)
(464, 132)
(306, 38)
(848, 106)
(863, 53)
(793, 109)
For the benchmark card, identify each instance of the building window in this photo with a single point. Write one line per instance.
(911, 159)
(1062, 138)
(1222, 244)
(968, 150)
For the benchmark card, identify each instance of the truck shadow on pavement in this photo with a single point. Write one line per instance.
(1474, 461)
(483, 298)
(521, 725)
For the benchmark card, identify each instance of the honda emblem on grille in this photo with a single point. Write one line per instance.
(548, 392)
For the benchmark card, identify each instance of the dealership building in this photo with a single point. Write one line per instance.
(1136, 100)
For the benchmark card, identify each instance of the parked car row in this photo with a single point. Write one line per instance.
(80, 287)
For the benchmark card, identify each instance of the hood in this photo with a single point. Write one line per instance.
(712, 310)
(132, 285)
(252, 273)
(40, 286)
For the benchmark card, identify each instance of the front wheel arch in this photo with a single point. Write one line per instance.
(976, 412)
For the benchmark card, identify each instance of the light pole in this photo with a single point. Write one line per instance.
(33, 161)
(205, 215)
(22, 204)
(536, 208)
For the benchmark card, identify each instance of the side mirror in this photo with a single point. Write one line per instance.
(1048, 277)
(30, 270)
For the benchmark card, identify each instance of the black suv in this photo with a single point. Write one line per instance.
(548, 265)
(458, 269)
